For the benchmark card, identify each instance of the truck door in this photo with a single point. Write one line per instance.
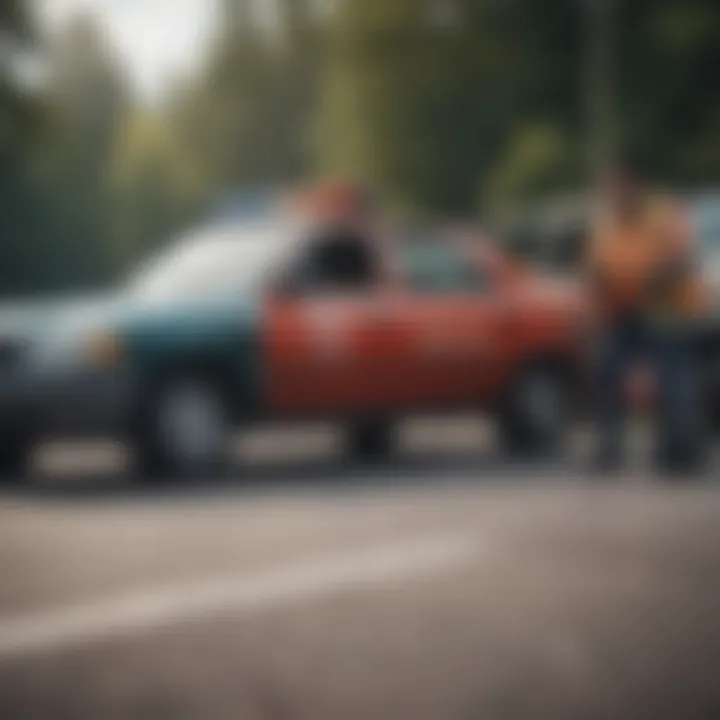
(330, 336)
(452, 323)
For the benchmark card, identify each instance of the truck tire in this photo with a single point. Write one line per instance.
(371, 440)
(14, 458)
(183, 429)
(534, 417)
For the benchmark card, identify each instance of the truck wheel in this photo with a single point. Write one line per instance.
(183, 430)
(14, 457)
(533, 421)
(371, 440)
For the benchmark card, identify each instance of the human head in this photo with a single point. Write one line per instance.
(623, 191)
(337, 200)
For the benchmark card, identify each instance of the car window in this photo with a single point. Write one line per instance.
(441, 268)
(337, 261)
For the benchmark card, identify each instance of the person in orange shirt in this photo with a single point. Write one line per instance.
(648, 297)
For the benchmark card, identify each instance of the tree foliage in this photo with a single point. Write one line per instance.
(21, 204)
(423, 97)
(441, 106)
(249, 114)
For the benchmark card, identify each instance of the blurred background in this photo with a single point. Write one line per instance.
(122, 121)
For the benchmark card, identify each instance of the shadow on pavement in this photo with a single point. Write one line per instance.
(307, 477)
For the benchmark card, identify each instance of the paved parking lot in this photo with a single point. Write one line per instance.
(443, 586)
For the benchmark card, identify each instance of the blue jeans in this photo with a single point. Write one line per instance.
(670, 353)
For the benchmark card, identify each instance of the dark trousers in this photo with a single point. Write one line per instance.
(669, 350)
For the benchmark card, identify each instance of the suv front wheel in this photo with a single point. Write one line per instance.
(184, 429)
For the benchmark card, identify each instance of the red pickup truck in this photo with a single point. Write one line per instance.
(368, 328)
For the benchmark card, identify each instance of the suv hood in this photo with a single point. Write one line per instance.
(20, 319)
(119, 312)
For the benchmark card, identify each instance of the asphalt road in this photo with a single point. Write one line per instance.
(441, 587)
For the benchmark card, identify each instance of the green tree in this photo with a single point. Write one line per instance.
(420, 96)
(86, 99)
(23, 208)
(249, 115)
(536, 161)
(155, 187)
(669, 56)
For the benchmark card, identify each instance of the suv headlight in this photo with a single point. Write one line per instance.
(78, 350)
(102, 349)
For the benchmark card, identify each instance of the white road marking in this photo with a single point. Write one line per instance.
(96, 621)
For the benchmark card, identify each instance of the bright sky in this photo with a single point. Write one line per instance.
(157, 39)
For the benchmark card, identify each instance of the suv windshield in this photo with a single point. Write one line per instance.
(210, 263)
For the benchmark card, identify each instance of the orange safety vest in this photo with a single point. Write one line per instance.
(646, 265)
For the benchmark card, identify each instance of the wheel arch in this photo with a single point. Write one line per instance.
(213, 368)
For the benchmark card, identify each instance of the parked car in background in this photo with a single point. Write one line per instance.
(553, 233)
(704, 208)
(272, 319)
(705, 213)
(549, 233)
